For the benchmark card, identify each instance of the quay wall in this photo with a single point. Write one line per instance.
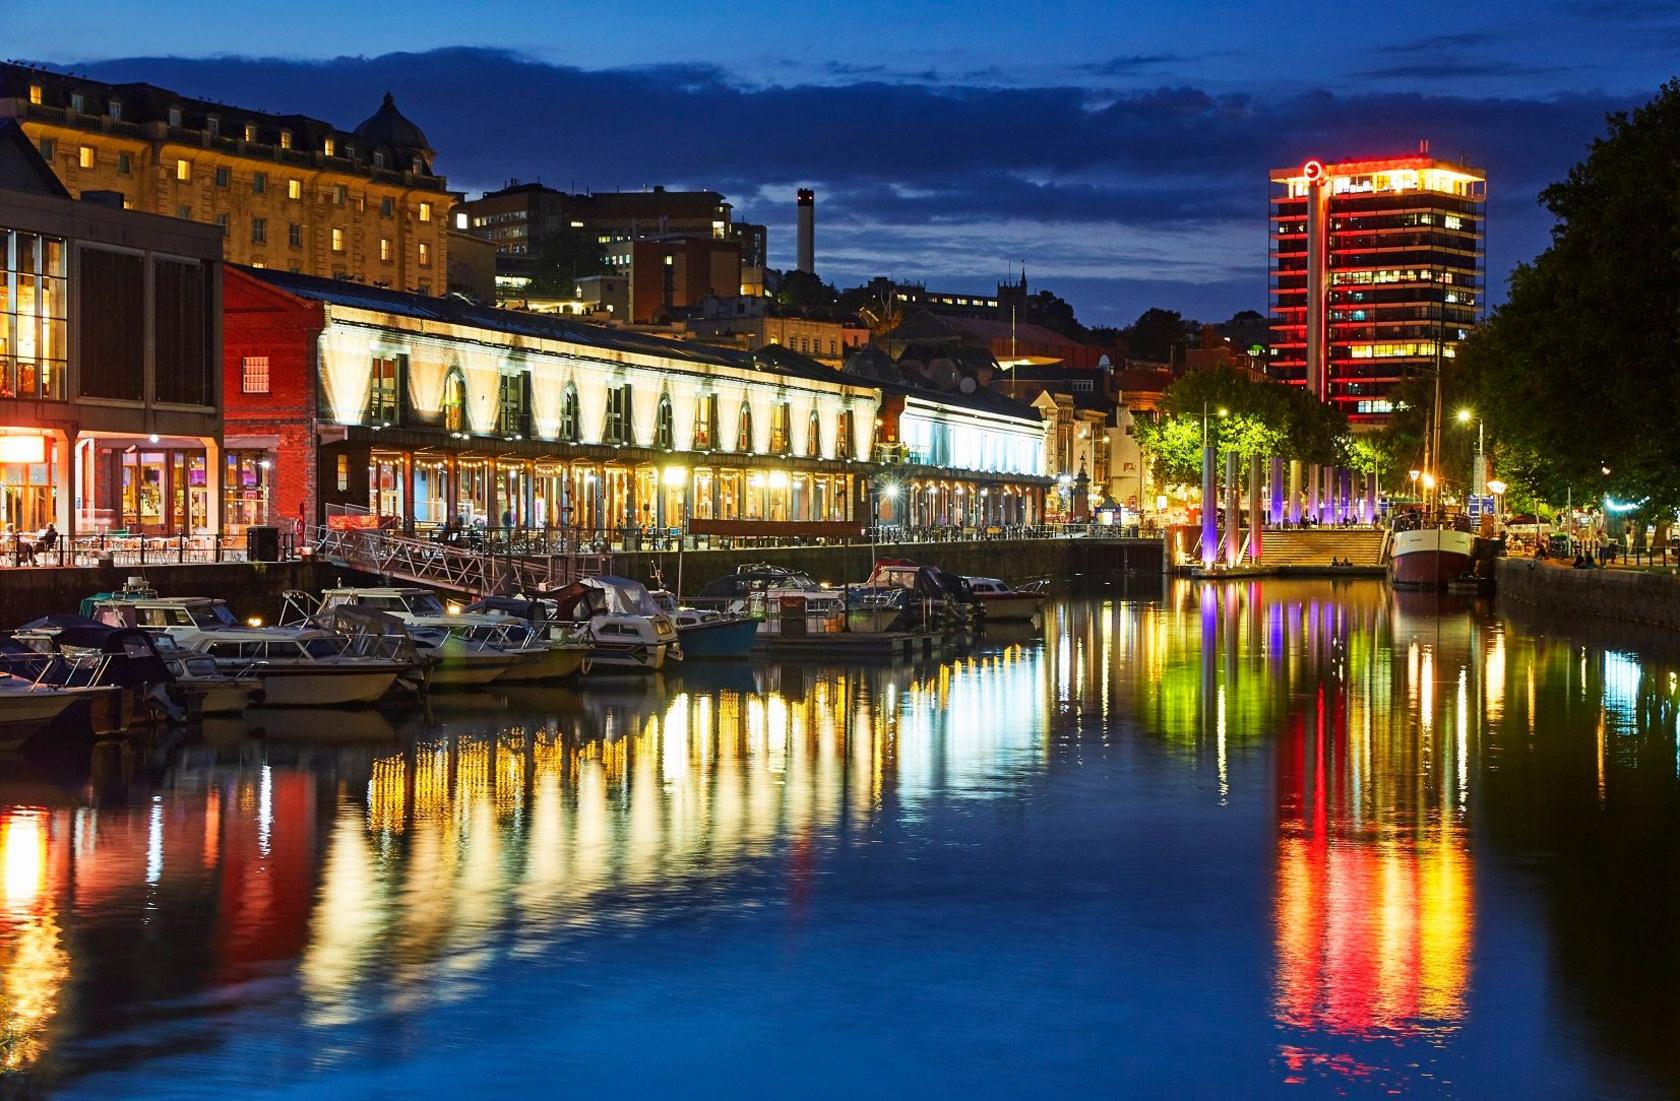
(1014, 560)
(250, 589)
(1628, 596)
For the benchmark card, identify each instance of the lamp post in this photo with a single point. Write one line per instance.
(1210, 508)
(672, 477)
(1497, 488)
(1465, 416)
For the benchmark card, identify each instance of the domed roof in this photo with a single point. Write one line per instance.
(389, 127)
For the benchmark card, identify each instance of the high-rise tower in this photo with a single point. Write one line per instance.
(1377, 273)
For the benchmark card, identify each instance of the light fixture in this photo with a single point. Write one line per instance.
(1464, 416)
(154, 437)
(254, 621)
(1496, 487)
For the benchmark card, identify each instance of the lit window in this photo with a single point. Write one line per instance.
(385, 249)
(84, 156)
(425, 212)
(460, 219)
(183, 170)
(337, 239)
(340, 193)
(250, 131)
(254, 375)
(294, 189)
(285, 139)
(329, 147)
(385, 390)
(425, 255)
(35, 94)
(343, 473)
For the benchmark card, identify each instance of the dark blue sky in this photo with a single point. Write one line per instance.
(1120, 150)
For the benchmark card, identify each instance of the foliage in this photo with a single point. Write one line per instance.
(1155, 333)
(1260, 418)
(801, 289)
(567, 256)
(1579, 371)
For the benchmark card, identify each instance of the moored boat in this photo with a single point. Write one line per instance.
(1429, 555)
(1000, 603)
(706, 633)
(627, 631)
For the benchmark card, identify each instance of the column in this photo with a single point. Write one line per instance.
(1233, 511)
(1276, 513)
(64, 482)
(214, 467)
(1293, 504)
(1254, 515)
(1210, 508)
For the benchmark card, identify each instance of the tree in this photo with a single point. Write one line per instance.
(1156, 333)
(1580, 369)
(567, 255)
(802, 290)
(1259, 418)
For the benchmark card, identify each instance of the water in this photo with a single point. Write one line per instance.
(1286, 838)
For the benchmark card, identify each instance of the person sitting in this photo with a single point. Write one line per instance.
(49, 538)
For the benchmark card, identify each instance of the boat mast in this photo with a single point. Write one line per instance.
(1433, 457)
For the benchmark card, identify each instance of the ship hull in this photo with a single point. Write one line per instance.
(1429, 558)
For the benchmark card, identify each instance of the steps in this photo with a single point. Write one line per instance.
(1317, 546)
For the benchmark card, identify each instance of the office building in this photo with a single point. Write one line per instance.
(1377, 274)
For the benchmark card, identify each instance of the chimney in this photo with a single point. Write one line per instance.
(807, 231)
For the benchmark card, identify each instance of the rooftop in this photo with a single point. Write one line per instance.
(455, 311)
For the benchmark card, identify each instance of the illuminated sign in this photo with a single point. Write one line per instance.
(23, 449)
(1313, 171)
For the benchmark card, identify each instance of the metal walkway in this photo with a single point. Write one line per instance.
(457, 569)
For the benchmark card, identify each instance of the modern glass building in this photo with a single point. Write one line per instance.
(1377, 273)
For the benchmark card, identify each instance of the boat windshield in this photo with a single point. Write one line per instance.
(324, 647)
(425, 604)
(212, 615)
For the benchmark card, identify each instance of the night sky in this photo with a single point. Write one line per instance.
(1119, 150)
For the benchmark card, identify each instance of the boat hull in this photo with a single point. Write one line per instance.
(305, 687)
(609, 658)
(555, 663)
(1430, 557)
(1010, 607)
(721, 640)
(469, 670)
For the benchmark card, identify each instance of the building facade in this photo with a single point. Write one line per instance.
(421, 410)
(972, 460)
(1377, 273)
(109, 343)
(287, 192)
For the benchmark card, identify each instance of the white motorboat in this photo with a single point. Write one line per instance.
(628, 633)
(297, 666)
(566, 648)
(1001, 603)
(467, 651)
(27, 707)
(201, 686)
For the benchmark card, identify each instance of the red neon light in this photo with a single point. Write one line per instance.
(1313, 171)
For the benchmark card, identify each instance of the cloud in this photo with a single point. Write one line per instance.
(1131, 64)
(1437, 42)
(1457, 67)
(917, 177)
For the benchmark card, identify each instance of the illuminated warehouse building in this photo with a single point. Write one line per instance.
(1377, 272)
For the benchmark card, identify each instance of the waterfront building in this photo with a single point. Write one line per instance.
(1377, 273)
(419, 410)
(754, 323)
(286, 191)
(952, 453)
(109, 337)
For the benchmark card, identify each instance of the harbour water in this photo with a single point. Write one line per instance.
(1274, 838)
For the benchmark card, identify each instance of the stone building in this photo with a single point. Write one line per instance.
(288, 192)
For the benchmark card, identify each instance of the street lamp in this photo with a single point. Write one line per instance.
(1465, 416)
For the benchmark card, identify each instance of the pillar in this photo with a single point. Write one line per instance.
(65, 486)
(214, 467)
(1254, 516)
(1210, 508)
(1294, 500)
(1275, 515)
(1312, 491)
(1233, 511)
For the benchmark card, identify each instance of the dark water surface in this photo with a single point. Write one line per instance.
(1281, 838)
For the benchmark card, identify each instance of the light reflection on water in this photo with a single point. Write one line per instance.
(1357, 772)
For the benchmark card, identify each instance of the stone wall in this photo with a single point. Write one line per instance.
(1013, 560)
(250, 590)
(1628, 596)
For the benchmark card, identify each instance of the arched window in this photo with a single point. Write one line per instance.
(664, 432)
(569, 414)
(705, 423)
(843, 436)
(618, 428)
(455, 401)
(781, 428)
(744, 430)
(813, 436)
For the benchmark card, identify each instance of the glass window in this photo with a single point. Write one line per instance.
(425, 212)
(294, 189)
(618, 415)
(513, 399)
(294, 234)
(125, 165)
(259, 231)
(569, 414)
(224, 177)
(663, 432)
(84, 156)
(780, 431)
(254, 375)
(705, 423)
(813, 435)
(385, 390)
(338, 239)
(183, 169)
(455, 402)
(744, 429)
(259, 182)
(425, 255)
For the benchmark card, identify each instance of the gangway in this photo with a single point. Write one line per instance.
(457, 569)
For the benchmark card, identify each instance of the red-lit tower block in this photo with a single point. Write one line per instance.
(1374, 265)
